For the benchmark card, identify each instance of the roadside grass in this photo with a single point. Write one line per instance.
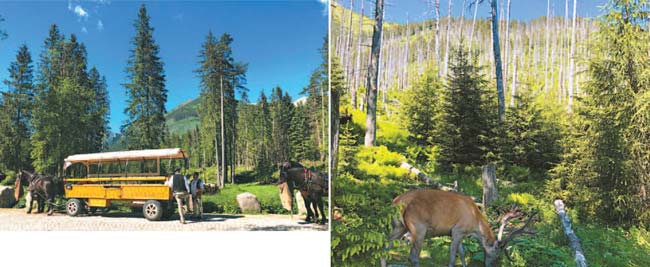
(225, 201)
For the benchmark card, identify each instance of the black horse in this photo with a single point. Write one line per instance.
(312, 185)
(40, 187)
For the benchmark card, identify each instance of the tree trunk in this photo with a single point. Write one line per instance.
(490, 191)
(574, 242)
(571, 60)
(428, 179)
(548, 37)
(334, 131)
(471, 35)
(223, 139)
(353, 94)
(348, 48)
(446, 60)
(497, 60)
(513, 83)
(437, 48)
(371, 111)
(507, 45)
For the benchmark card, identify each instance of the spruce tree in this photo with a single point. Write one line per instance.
(421, 111)
(145, 127)
(16, 109)
(606, 168)
(99, 111)
(220, 77)
(281, 113)
(465, 125)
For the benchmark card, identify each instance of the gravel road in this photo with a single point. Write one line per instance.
(18, 220)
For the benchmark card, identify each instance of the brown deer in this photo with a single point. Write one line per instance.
(428, 212)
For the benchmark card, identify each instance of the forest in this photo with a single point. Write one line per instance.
(57, 105)
(557, 104)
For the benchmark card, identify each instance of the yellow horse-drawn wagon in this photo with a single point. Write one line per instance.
(95, 180)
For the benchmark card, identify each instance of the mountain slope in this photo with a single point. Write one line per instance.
(184, 117)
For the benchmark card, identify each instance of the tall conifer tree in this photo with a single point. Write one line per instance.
(147, 95)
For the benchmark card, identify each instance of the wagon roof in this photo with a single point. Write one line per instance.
(106, 157)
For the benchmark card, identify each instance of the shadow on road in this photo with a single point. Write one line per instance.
(282, 228)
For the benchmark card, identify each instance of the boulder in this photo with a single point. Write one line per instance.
(302, 210)
(7, 199)
(248, 202)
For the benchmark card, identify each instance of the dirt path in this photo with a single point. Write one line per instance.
(18, 220)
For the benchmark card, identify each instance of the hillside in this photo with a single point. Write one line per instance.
(183, 117)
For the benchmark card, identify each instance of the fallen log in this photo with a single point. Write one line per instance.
(428, 179)
(574, 242)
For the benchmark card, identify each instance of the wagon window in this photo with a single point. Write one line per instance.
(76, 170)
(168, 166)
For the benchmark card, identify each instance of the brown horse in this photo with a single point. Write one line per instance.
(312, 185)
(41, 187)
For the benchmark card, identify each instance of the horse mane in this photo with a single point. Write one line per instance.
(291, 164)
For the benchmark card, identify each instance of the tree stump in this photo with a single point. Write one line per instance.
(490, 191)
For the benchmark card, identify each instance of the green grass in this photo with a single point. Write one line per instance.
(226, 200)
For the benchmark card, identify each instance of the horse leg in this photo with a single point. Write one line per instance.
(322, 212)
(308, 207)
(50, 204)
(28, 201)
(315, 208)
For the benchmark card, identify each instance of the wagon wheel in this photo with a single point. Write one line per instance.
(73, 207)
(152, 210)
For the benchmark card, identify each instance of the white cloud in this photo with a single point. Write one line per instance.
(100, 25)
(84, 30)
(325, 6)
(80, 12)
(70, 5)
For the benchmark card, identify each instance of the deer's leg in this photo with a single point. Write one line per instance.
(417, 240)
(461, 251)
(456, 240)
(398, 231)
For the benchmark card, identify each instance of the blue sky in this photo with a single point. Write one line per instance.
(418, 10)
(278, 39)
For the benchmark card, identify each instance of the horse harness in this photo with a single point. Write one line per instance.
(35, 179)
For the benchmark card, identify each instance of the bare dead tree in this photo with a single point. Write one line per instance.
(437, 9)
(371, 110)
(471, 35)
(571, 58)
(548, 20)
(497, 60)
(353, 94)
(446, 60)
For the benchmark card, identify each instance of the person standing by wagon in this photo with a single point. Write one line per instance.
(196, 190)
(181, 188)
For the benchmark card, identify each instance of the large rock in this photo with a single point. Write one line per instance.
(248, 202)
(7, 199)
(301, 204)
